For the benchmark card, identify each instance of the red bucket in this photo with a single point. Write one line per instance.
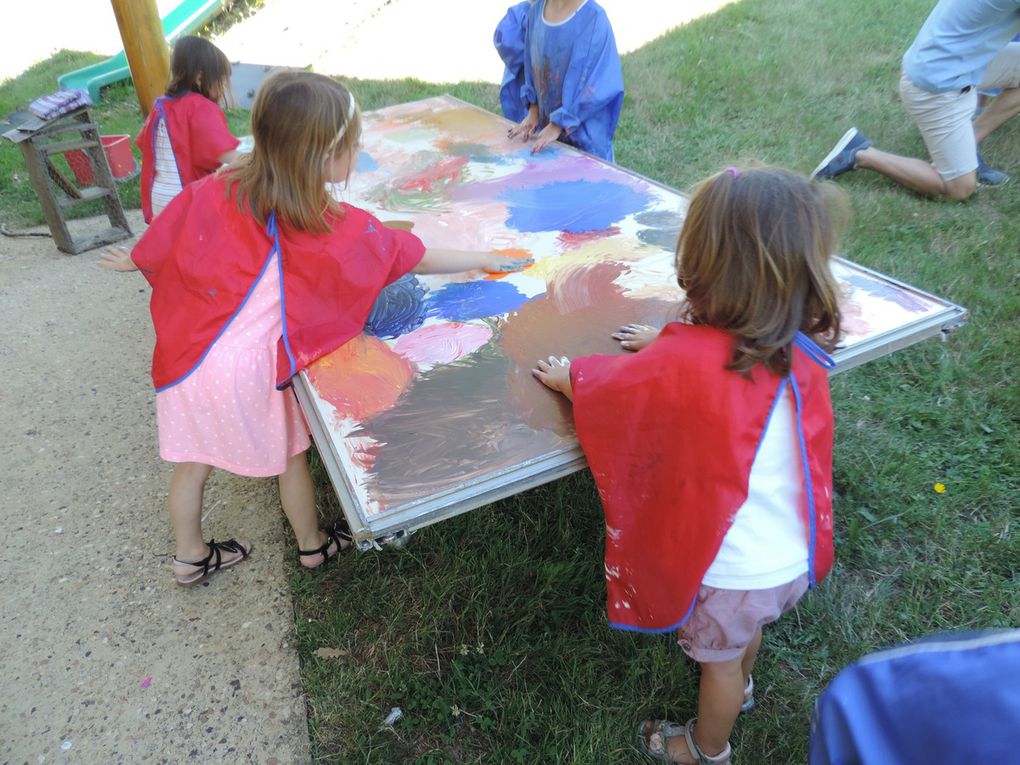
(118, 154)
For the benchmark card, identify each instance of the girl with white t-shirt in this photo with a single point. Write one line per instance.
(712, 447)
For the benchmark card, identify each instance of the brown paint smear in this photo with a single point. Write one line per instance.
(576, 317)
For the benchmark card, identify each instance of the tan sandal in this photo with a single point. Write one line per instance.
(207, 565)
(748, 702)
(654, 736)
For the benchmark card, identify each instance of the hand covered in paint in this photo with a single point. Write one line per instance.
(441, 261)
(501, 264)
(527, 127)
(555, 374)
(634, 337)
(549, 134)
(116, 259)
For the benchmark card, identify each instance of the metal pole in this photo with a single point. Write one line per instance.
(147, 53)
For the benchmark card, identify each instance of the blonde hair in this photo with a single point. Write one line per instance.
(300, 121)
(753, 259)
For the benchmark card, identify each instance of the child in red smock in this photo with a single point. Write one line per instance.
(712, 447)
(256, 271)
(185, 136)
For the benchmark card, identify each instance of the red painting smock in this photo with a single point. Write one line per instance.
(670, 436)
(202, 257)
(198, 132)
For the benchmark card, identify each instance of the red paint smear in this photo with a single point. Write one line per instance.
(361, 378)
(445, 170)
(512, 252)
(572, 241)
(364, 460)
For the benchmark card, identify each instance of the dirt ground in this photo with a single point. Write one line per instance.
(105, 659)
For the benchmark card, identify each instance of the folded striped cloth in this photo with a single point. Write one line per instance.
(61, 102)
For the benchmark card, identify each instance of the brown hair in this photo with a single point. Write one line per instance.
(299, 120)
(200, 67)
(753, 259)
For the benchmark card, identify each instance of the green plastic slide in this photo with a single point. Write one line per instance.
(188, 17)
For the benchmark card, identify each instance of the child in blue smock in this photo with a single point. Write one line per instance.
(573, 82)
(509, 42)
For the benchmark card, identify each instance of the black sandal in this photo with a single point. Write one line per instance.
(216, 549)
(336, 534)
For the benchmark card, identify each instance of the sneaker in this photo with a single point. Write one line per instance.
(843, 157)
(987, 176)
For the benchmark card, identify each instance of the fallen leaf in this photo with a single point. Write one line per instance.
(330, 653)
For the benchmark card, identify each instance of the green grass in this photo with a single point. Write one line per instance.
(489, 631)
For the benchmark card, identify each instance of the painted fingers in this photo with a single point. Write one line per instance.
(505, 265)
(548, 135)
(525, 130)
(634, 337)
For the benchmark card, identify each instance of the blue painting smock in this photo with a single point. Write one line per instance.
(950, 698)
(572, 72)
(958, 41)
(509, 42)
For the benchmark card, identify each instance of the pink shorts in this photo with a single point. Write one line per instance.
(724, 622)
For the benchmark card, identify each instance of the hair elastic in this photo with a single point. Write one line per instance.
(732, 171)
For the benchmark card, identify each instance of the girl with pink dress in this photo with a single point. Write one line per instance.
(256, 272)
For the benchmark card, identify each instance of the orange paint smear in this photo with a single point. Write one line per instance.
(468, 124)
(361, 378)
(512, 252)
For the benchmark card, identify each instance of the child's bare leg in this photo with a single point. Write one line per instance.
(750, 655)
(720, 695)
(297, 495)
(187, 487)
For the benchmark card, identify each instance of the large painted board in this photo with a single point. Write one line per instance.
(434, 410)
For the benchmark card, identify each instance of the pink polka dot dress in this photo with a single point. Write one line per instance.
(228, 413)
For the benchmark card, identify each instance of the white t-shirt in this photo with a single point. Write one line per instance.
(166, 182)
(767, 545)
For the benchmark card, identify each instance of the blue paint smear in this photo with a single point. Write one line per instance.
(399, 309)
(365, 163)
(572, 206)
(474, 300)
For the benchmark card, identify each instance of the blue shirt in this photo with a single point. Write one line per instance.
(958, 41)
(509, 42)
(572, 72)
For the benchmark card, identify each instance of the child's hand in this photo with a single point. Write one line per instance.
(550, 133)
(555, 374)
(634, 337)
(526, 128)
(117, 259)
(501, 264)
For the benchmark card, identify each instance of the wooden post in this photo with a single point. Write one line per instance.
(148, 55)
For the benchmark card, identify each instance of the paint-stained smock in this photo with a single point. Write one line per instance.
(670, 436)
(198, 134)
(572, 72)
(509, 42)
(203, 257)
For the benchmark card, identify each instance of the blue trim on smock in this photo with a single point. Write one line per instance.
(273, 230)
(205, 353)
